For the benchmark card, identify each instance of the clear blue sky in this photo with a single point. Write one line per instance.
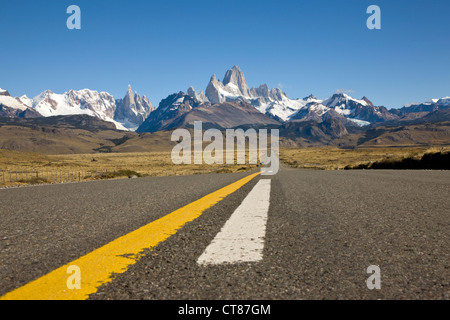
(161, 47)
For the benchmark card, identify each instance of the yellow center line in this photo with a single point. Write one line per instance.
(99, 266)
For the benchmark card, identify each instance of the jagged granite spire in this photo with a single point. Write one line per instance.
(236, 77)
(133, 108)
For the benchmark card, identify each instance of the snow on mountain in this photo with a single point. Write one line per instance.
(14, 107)
(276, 104)
(359, 123)
(282, 108)
(444, 101)
(26, 101)
(427, 106)
(11, 102)
(234, 79)
(127, 113)
(99, 104)
(360, 112)
(199, 96)
(169, 111)
(340, 100)
(132, 110)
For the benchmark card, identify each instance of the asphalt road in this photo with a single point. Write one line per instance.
(323, 230)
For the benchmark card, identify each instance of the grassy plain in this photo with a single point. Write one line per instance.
(23, 168)
(18, 168)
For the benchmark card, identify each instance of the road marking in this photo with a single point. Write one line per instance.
(241, 239)
(99, 266)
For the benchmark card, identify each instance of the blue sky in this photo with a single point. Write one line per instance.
(162, 47)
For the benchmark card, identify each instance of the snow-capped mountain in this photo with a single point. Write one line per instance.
(198, 96)
(272, 102)
(276, 104)
(15, 107)
(427, 106)
(169, 111)
(132, 110)
(443, 101)
(99, 104)
(8, 101)
(181, 110)
(233, 93)
(359, 112)
(127, 113)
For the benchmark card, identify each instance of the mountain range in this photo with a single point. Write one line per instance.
(232, 103)
(127, 113)
(229, 103)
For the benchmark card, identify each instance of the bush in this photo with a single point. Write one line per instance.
(119, 173)
(34, 180)
(436, 161)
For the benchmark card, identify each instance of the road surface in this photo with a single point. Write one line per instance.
(301, 234)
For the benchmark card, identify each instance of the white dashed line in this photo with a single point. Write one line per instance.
(242, 237)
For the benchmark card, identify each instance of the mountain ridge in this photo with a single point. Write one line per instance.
(127, 113)
(134, 112)
(275, 104)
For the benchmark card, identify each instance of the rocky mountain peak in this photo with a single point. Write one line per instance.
(236, 77)
(367, 101)
(214, 90)
(310, 97)
(133, 109)
(129, 97)
(4, 92)
(198, 96)
(261, 91)
(213, 79)
(191, 91)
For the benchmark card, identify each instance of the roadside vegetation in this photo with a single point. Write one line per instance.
(331, 158)
(22, 168)
(18, 168)
(430, 161)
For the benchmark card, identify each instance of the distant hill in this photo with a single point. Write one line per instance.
(335, 133)
(76, 134)
(87, 134)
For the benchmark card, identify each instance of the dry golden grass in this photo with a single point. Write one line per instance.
(330, 158)
(24, 168)
(18, 168)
